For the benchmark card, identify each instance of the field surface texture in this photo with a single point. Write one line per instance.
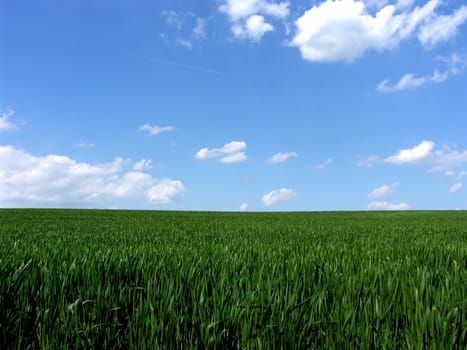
(84, 279)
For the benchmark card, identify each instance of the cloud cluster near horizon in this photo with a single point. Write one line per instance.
(439, 159)
(446, 160)
(55, 180)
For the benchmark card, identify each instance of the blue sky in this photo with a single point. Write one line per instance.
(233, 104)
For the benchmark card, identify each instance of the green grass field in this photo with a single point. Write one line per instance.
(84, 279)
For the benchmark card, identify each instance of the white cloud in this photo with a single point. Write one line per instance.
(278, 196)
(253, 29)
(248, 17)
(367, 162)
(143, 164)
(281, 157)
(185, 28)
(383, 191)
(324, 164)
(131, 184)
(344, 30)
(244, 207)
(412, 155)
(53, 180)
(187, 44)
(199, 30)
(5, 123)
(456, 187)
(444, 159)
(234, 158)
(238, 9)
(413, 20)
(442, 28)
(155, 130)
(448, 159)
(172, 18)
(410, 81)
(231, 152)
(456, 64)
(165, 191)
(446, 170)
(383, 205)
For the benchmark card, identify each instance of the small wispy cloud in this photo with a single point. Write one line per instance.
(143, 164)
(172, 18)
(323, 165)
(199, 30)
(187, 44)
(83, 144)
(231, 152)
(281, 157)
(456, 65)
(456, 187)
(442, 28)
(410, 81)
(383, 191)
(185, 26)
(156, 129)
(5, 120)
(233, 158)
(244, 207)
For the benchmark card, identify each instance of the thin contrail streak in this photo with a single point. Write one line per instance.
(181, 65)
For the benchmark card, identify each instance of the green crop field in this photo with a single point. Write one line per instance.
(85, 279)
